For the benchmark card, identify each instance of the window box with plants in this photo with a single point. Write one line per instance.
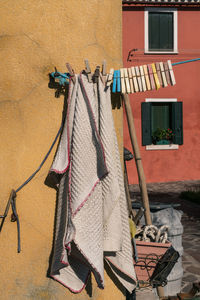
(162, 136)
(159, 118)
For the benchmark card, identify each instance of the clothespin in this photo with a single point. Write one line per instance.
(110, 77)
(96, 74)
(151, 77)
(118, 81)
(137, 71)
(164, 79)
(104, 75)
(127, 84)
(143, 79)
(147, 78)
(130, 76)
(173, 81)
(123, 87)
(167, 72)
(71, 72)
(155, 76)
(135, 82)
(114, 86)
(159, 73)
(88, 70)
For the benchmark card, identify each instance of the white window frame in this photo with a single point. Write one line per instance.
(161, 147)
(146, 29)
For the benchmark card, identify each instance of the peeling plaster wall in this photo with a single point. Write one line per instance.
(35, 36)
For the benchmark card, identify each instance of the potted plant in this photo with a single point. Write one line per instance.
(162, 136)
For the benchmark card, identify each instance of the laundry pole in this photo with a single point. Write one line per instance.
(140, 171)
(138, 160)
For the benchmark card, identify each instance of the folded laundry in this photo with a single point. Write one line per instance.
(92, 216)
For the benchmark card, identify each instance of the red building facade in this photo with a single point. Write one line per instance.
(156, 32)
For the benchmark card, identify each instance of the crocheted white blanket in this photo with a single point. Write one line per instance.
(92, 217)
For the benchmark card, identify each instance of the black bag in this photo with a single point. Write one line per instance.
(164, 267)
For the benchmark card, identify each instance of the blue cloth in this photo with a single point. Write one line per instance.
(63, 77)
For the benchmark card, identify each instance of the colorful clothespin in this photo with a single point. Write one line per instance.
(159, 73)
(164, 79)
(123, 87)
(151, 77)
(130, 76)
(118, 81)
(147, 78)
(167, 72)
(155, 76)
(110, 77)
(88, 70)
(114, 86)
(127, 84)
(137, 71)
(173, 81)
(61, 78)
(135, 82)
(143, 79)
(71, 72)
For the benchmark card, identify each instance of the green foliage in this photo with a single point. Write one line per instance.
(162, 134)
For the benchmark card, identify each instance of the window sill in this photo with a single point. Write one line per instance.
(162, 147)
(161, 52)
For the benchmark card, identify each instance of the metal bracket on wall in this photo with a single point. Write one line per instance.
(130, 54)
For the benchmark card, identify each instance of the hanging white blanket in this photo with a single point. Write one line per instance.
(92, 217)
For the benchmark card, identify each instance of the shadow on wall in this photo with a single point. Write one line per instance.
(116, 100)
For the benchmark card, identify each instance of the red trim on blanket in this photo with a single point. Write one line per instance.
(72, 290)
(60, 172)
(81, 205)
(64, 263)
(68, 247)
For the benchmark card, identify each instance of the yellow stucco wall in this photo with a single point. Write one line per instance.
(35, 36)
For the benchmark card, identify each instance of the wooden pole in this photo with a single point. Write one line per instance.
(138, 160)
(131, 211)
(140, 171)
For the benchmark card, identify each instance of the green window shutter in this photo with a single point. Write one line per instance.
(160, 116)
(161, 31)
(177, 122)
(154, 31)
(146, 123)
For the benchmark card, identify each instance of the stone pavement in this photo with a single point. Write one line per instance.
(169, 193)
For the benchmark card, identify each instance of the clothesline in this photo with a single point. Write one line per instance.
(63, 78)
(186, 61)
(152, 76)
